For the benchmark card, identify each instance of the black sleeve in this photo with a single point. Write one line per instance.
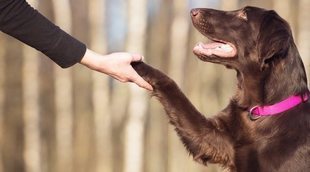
(20, 20)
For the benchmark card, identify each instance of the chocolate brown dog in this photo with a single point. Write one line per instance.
(266, 125)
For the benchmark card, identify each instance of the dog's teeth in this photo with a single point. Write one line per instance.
(227, 47)
(224, 47)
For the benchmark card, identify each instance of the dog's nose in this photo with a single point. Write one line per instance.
(194, 12)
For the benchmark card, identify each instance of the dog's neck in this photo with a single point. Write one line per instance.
(282, 78)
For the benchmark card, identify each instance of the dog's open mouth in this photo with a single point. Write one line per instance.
(216, 47)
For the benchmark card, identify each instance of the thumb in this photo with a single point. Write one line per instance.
(143, 84)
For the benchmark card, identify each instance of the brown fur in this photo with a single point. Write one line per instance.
(269, 69)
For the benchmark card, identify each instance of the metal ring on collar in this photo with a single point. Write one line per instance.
(252, 116)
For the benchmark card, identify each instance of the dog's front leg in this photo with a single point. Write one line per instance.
(205, 139)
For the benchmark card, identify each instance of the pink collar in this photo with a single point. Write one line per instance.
(292, 101)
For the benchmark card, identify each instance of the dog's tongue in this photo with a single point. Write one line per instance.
(215, 48)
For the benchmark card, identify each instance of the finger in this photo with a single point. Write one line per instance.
(136, 57)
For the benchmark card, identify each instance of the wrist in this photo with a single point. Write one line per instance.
(91, 59)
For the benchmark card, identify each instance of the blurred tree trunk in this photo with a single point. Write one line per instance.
(178, 160)
(31, 110)
(83, 121)
(230, 5)
(32, 152)
(46, 101)
(12, 121)
(32, 148)
(119, 107)
(101, 93)
(157, 55)
(134, 129)
(63, 96)
(2, 92)
(261, 3)
(304, 33)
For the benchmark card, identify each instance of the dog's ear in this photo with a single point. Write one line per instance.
(274, 37)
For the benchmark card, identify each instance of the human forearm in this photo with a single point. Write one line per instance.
(20, 20)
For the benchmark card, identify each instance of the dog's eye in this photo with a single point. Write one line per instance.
(242, 15)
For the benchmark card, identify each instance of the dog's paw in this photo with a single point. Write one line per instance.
(151, 75)
(142, 69)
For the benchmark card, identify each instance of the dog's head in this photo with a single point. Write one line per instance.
(257, 43)
(249, 34)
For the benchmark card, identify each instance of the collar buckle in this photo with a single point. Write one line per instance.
(251, 115)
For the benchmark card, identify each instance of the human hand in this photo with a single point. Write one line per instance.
(116, 65)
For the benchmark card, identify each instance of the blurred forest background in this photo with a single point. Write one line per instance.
(76, 120)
